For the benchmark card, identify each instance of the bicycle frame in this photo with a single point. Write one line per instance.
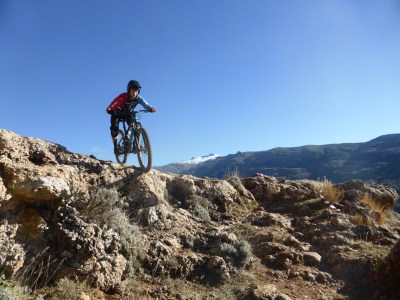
(131, 129)
(134, 126)
(134, 139)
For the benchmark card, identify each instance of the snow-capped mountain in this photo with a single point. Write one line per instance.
(200, 159)
(185, 166)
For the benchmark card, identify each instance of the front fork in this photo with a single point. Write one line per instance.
(132, 138)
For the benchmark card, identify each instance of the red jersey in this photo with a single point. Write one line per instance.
(118, 103)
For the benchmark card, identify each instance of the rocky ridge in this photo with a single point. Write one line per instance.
(183, 237)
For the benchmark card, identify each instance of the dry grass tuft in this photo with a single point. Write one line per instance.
(380, 211)
(234, 179)
(232, 174)
(39, 270)
(330, 192)
(359, 220)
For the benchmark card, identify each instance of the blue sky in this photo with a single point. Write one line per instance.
(224, 75)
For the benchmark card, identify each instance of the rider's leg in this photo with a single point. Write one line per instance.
(114, 130)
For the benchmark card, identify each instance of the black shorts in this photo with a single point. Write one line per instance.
(115, 119)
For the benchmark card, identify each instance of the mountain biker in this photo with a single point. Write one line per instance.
(120, 106)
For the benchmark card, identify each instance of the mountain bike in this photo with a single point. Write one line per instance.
(134, 139)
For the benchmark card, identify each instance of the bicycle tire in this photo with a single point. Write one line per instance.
(143, 145)
(122, 154)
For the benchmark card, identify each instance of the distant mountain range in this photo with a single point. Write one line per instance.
(377, 160)
(185, 167)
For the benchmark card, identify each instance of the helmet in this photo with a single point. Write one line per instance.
(133, 84)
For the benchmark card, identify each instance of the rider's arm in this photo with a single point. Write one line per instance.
(143, 102)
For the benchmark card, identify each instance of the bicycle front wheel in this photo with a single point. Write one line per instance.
(121, 153)
(143, 149)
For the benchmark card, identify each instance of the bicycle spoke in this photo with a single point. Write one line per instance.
(144, 150)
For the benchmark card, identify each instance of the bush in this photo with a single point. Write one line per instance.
(103, 206)
(107, 209)
(201, 212)
(228, 250)
(244, 250)
(67, 289)
(7, 294)
(199, 207)
(10, 290)
(240, 251)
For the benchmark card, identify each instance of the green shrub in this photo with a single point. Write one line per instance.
(7, 294)
(107, 209)
(240, 251)
(10, 290)
(199, 207)
(201, 212)
(244, 249)
(103, 206)
(228, 250)
(67, 289)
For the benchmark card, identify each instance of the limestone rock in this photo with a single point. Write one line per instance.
(42, 189)
(12, 254)
(94, 250)
(311, 258)
(263, 218)
(217, 267)
(264, 292)
(386, 196)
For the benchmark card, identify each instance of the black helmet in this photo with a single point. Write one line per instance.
(133, 84)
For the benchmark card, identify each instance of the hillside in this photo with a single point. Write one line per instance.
(377, 160)
(75, 227)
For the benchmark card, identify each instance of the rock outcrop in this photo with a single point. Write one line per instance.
(251, 238)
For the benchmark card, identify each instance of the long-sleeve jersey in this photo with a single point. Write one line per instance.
(122, 102)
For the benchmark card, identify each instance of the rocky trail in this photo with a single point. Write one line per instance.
(75, 227)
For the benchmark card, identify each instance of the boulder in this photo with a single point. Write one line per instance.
(42, 189)
(264, 292)
(263, 218)
(312, 259)
(356, 189)
(217, 269)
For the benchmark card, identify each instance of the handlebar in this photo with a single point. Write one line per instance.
(137, 114)
(132, 110)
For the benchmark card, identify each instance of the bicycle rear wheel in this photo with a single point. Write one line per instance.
(143, 149)
(121, 153)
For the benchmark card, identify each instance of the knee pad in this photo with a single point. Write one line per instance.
(114, 131)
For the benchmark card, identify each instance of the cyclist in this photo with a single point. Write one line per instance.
(120, 106)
